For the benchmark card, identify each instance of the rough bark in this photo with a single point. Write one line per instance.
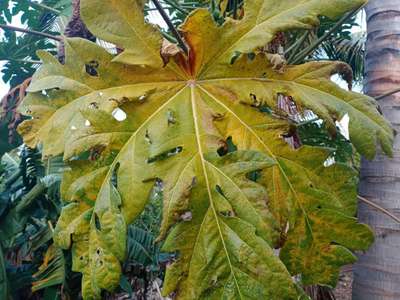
(75, 28)
(377, 274)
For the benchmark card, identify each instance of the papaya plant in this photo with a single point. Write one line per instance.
(202, 126)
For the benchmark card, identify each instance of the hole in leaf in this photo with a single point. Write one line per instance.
(96, 152)
(287, 105)
(219, 190)
(265, 109)
(289, 109)
(114, 175)
(94, 105)
(235, 57)
(329, 161)
(87, 123)
(214, 281)
(147, 137)
(165, 155)
(254, 100)
(186, 216)
(228, 146)
(227, 213)
(91, 68)
(254, 176)
(223, 150)
(171, 117)
(158, 188)
(97, 222)
(118, 102)
(119, 114)
(260, 105)
(142, 98)
(292, 138)
(251, 56)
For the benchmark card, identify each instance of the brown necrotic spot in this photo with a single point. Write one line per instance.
(227, 146)
(97, 222)
(225, 213)
(218, 116)
(164, 155)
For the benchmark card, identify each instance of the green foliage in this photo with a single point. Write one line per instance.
(316, 134)
(26, 211)
(3, 276)
(5, 144)
(340, 45)
(20, 50)
(348, 49)
(52, 271)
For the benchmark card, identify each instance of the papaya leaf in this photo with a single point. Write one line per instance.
(197, 126)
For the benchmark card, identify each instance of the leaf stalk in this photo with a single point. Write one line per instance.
(33, 32)
(171, 26)
(390, 93)
(379, 208)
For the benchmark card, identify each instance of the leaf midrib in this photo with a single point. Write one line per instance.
(133, 137)
(295, 83)
(267, 149)
(203, 162)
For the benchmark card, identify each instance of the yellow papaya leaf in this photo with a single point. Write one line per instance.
(262, 20)
(125, 123)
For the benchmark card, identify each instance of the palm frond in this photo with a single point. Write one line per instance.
(141, 246)
(52, 271)
(350, 50)
(3, 276)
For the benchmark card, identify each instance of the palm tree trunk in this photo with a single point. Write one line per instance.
(377, 274)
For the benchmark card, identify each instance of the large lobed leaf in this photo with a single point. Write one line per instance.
(223, 225)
